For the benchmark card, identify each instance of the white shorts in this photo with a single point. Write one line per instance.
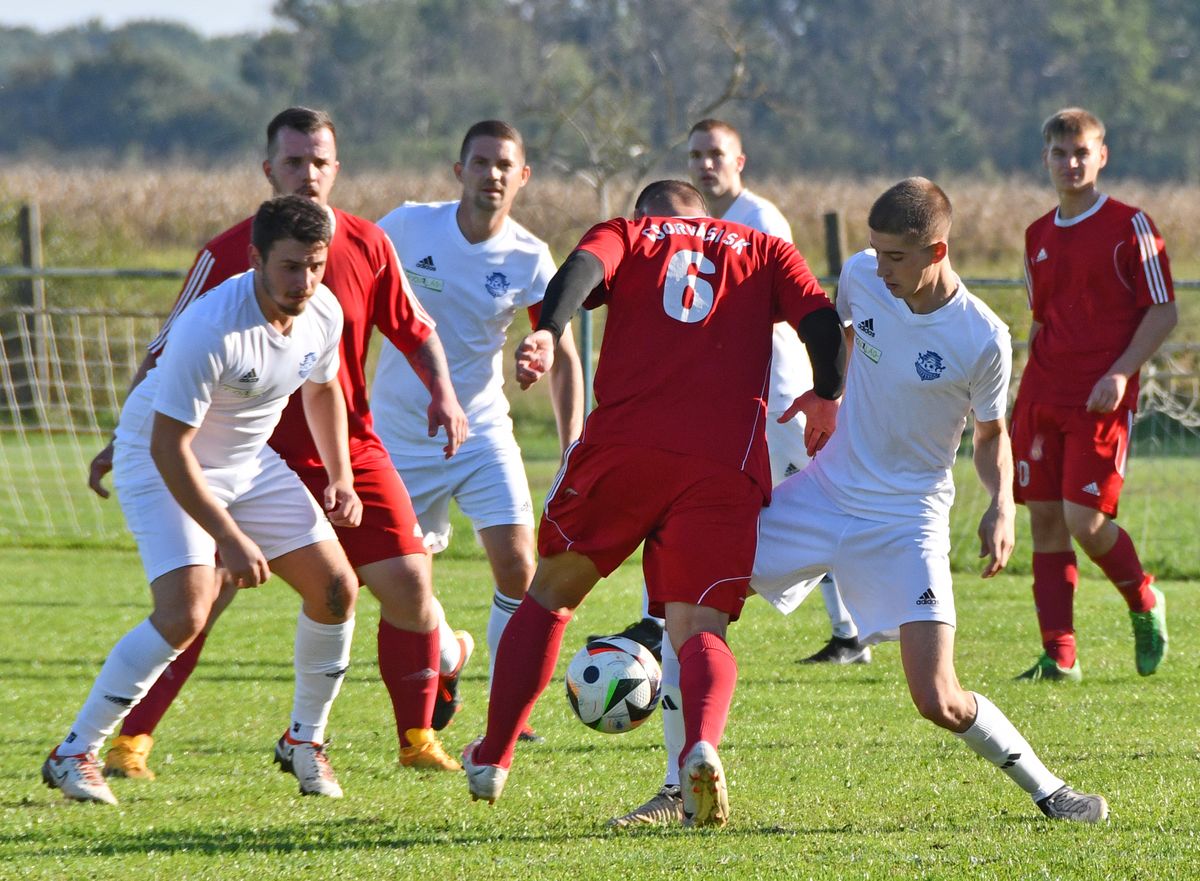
(265, 498)
(785, 446)
(889, 573)
(486, 477)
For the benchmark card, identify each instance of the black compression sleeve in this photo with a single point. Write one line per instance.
(826, 344)
(568, 289)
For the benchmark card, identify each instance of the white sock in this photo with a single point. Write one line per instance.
(995, 738)
(662, 622)
(502, 609)
(322, 656)
(672, 711)
(449, 650)
(132, 667)
(839, 616)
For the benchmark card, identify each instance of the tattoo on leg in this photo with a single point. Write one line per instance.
(335, 597)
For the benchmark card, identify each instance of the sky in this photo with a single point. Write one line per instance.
(210, 17)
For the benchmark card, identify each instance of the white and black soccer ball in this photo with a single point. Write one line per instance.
(613, 684)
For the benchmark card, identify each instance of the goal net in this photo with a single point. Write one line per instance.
(64, 373)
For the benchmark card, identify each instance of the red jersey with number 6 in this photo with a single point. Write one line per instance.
(685, 362)
(1091, 280)
(364, 274)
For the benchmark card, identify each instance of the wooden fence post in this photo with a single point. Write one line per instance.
(835, 242)
(33, 294)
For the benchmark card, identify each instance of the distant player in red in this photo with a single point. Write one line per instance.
(674, 455)
(1100, 290)
(387, 550)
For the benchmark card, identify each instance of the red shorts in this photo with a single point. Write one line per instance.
(1066, 453)
(389, 527)
(698, 518)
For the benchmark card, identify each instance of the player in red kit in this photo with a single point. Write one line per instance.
(1102, 300)
(673, 455)
(387, 550)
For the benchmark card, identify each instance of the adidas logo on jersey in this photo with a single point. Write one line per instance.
(249, 376)
(1092, 489)
(927, 598)
(790, 469)
(1041, 255)
(867, 326)
(427, 264)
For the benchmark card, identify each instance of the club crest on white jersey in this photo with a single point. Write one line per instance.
(929, 365)
(497, 284)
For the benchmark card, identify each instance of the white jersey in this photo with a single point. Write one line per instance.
(791, 371)
(228, 373)
(473, 291)
(912, 381)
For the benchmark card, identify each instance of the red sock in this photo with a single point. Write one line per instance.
(1055, 577)
(707, 675)
(1124, 569)
(525, 660)
(408, 664)
(144, 717)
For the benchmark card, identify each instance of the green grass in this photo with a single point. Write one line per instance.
(832, 774)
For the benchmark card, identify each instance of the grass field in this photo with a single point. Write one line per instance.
(832, 774)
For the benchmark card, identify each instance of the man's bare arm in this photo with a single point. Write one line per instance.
(994, 465)
(429, 363)
(325, 413)
(1156, 325)
(103, 461)
(566, 390)
(171, 450)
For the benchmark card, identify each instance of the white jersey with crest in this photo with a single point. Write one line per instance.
(473, 292)
(227, 372)
(911, 383)
(791, 371)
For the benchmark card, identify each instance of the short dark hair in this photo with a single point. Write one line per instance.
(302, 119)
(1071, 121)
(715, 125)
(666, 197)
(490, 128)
(915, 208)
(290, 217)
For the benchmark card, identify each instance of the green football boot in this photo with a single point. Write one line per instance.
(1150, 635)
(1047, 669)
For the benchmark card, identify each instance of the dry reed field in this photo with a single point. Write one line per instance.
(159, 216)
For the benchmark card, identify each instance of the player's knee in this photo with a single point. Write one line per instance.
(513, 572)
(180, 624)
(941, 708)
(341, 591)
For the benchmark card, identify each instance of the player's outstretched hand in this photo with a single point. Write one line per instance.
(820, 417)
(997, 537)
(1107, 393)
(246, 564)
(100, 466)
(448, 414)
(535, 356)
(342, 505)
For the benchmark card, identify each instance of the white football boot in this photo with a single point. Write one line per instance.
(484, 781)
(702, 781)
(309, 764)
(79, 777)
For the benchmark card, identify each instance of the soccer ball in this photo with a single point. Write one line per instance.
(613, 684)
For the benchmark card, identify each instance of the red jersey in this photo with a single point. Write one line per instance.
(365, 275)
(686, 358)
(1090, 280)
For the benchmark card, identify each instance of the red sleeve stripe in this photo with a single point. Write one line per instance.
(1148, 244)
(191, 289)
(418, 310)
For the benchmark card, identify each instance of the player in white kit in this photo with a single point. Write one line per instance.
(473, 268)
(878, 496)
(715, 161)
(195, 477)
